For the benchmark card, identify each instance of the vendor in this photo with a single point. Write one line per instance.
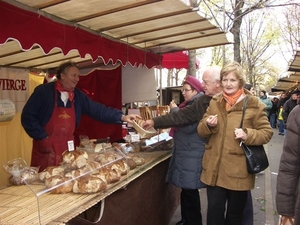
(53, 111)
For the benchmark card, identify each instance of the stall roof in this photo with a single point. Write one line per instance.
(153, 26)
(291, 79)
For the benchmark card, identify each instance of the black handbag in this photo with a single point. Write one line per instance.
(256, 157)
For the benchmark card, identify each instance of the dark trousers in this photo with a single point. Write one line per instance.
(190, 207)
(248, 210)
(221, 201)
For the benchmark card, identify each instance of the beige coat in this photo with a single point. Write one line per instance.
(224, 162)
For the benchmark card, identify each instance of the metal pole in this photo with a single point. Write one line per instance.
(160, 89)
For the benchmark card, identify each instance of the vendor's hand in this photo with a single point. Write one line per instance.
(212, 121)
(45, 145)
(240, 134)
(147, 124)
(172, 104)
(130, 117)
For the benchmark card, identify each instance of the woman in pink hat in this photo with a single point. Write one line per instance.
(186, 163)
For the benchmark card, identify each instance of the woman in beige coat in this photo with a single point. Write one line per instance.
(224, 162)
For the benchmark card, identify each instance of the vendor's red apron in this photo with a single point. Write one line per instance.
(60, 130)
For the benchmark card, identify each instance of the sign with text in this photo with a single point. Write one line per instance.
(14, 85)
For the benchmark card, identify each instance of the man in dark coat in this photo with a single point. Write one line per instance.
(289, 105)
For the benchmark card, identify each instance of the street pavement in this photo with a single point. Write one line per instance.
(263, 195)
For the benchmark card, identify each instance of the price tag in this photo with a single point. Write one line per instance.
(71, 145)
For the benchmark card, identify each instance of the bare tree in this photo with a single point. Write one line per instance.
(290, 33)
(192, 63)
(235, 10)
(255, 41)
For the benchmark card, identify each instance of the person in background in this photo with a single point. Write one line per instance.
(250, 88)
(288, 179)
(283, 98)
(264, 98)
(290, 104)
(273, 112)
(224, 164)
(54, 110)
(185, 164)
(194, 113)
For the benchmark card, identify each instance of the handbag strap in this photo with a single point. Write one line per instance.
(244, 109)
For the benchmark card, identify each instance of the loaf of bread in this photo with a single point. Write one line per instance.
(72, 174)
(110, 175)
(93, 166)
(60, 184)
(138, 160)
(106, 158)
(26, 176)
(74, 159)
(120, 166)
(51, 171)
(131, 163)
(89, 184)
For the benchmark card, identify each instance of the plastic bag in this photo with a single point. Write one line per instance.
(20, 173)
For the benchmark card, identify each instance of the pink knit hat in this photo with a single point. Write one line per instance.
(194, 82)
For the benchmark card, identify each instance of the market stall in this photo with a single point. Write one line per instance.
(138, 196)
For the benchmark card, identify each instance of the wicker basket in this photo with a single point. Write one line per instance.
(144, 133)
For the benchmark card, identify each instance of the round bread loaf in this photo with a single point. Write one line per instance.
(75, 159)
(138, 160)
(120, 166)
(51, 171)
(63, 184)
(106, 158)
(89, 184)
(131, 163)
(93, 166)
(111, 175)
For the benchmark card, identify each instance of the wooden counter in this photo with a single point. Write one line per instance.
(21, 204)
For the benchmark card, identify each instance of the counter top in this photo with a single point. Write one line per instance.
(25, 204)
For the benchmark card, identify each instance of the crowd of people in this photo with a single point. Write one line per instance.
(224, 174)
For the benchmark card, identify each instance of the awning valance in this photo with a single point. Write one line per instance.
(31, 29)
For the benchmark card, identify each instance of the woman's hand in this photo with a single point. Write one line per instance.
(240, 134)
(172, 104)
(212, 121)
(147, 124)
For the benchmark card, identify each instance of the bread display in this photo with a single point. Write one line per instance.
(82, 173)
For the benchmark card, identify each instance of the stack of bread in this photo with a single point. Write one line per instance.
(81, 173)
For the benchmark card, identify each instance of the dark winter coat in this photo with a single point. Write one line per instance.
(186, 162)
(185, 116)
(288, 180)
(287, 108)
